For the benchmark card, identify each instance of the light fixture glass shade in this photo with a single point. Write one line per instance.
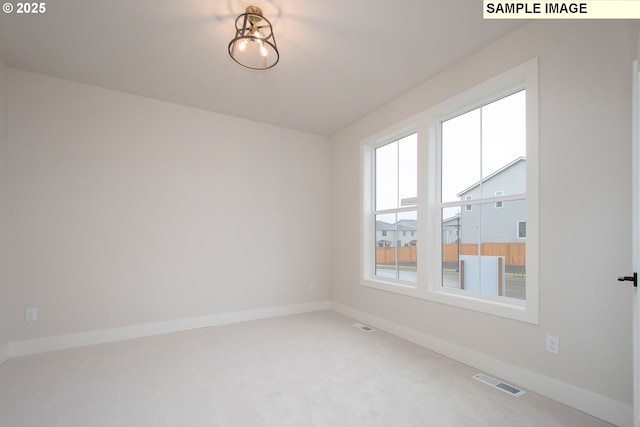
(254, 45)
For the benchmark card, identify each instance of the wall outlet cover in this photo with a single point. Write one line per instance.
(553, 344)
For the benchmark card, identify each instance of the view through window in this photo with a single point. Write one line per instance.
(396, 227)
(483, 199)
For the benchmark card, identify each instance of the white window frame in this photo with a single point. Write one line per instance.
(368, 228)
(368, 221)
(499, 204)
(429, 233)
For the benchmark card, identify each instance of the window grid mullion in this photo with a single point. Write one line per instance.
(508, 198)
(397, 205)
(396, 210)
(479, 245)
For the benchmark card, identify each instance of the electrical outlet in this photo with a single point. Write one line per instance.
(553, 344)
(31, 315)
(312, 287)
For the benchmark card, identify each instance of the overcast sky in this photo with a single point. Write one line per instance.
(474, 145)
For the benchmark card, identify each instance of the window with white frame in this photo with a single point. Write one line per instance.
(482, 149)
(459, 176)
(394, 209)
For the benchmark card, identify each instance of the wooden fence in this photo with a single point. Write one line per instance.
(407, 255)
(515, 254)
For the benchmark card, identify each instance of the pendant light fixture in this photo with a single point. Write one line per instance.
(254, 45)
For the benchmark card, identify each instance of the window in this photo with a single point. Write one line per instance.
(482, 149)
(395, 186)
(522, 229)
(458, 176)
(468, 208)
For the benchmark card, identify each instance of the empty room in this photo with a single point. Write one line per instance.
(296, 213)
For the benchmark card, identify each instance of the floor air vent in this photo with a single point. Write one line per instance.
(363, 327)
(509, 389)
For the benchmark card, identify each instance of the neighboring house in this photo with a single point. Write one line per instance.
(497, 222)
(502, 222)
(450, 229)
(403, 233)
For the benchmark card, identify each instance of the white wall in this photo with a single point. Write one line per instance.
(125, 210)
(585, 170)
(4, 306)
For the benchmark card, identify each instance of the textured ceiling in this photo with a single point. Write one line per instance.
(339, 59)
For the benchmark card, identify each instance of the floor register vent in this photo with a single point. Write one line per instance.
(363, 327)
(509, 389)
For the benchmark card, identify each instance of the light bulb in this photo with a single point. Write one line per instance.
(255, 32)
(242, 45)
(263, 51)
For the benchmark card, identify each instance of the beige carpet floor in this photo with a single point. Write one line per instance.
(305, 370)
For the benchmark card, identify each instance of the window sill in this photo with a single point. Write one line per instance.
(509, 308)
(403, 288)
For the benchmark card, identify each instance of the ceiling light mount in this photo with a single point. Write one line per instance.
(254, 45)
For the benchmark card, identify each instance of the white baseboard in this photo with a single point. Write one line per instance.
(62, 342)
(599, 406)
